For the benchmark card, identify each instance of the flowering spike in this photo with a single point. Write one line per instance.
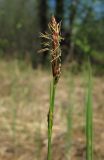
(53, 44)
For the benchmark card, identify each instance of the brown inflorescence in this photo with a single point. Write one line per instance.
(53, 39)
(56, 62)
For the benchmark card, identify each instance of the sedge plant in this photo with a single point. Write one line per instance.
(89, 118)
(51, 44)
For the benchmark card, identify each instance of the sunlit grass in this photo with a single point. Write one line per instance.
(24, 100)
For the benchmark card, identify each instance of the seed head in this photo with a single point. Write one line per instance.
(52, 44)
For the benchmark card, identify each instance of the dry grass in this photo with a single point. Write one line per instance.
(24, 101)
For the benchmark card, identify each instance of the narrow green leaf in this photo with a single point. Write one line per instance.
(89, 118)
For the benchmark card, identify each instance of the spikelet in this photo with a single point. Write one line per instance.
(52, 44)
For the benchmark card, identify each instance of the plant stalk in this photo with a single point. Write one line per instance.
(50, 118)
(89, 119)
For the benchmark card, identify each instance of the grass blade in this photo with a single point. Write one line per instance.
(89, 118)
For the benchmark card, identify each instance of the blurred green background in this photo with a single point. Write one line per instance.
(25, 77)
(82, 29)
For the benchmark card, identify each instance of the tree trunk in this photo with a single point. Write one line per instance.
(72, 16)
(59, 11)
(43, 22)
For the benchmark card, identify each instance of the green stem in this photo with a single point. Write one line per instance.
(50, 118)
(89, 120)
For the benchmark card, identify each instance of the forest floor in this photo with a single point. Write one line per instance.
(24, 103)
